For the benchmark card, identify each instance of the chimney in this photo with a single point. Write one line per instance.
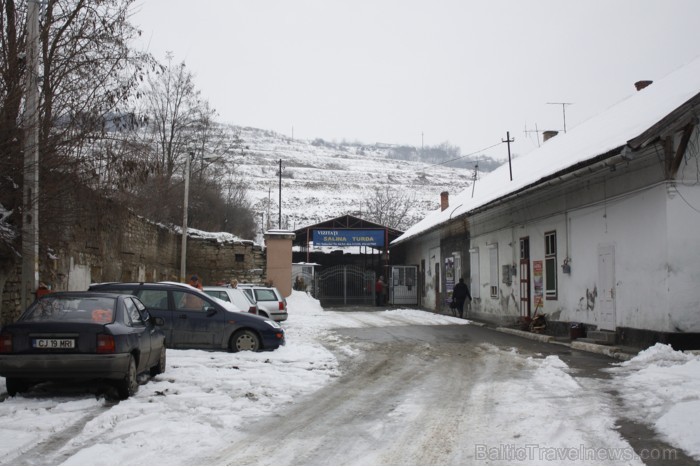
(444, 200)
(642, 84)
(549, 134)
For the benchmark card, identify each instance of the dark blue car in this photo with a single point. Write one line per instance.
(82, 336)
(194, 319)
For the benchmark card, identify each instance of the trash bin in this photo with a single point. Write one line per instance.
(577, 330)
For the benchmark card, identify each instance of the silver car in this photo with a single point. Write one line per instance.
(269, 300)
(236, 296)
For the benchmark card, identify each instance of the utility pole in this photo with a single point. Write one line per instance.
(185, 206)
(269, 203)
(476, 173)
(30, 213)
(279, 222)
(563, 109)
(508, 140)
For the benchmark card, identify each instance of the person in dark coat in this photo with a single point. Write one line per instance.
(460, 294)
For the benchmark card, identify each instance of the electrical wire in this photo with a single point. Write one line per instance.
(466, 155)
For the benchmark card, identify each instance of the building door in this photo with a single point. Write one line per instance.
(403, 287)
(606, 283)
(525, 302)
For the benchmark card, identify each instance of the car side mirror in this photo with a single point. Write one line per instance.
(211, 311)
(157, 321)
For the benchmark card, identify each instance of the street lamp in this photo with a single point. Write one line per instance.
(183, 249)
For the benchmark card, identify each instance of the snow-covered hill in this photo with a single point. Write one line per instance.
(322, 180)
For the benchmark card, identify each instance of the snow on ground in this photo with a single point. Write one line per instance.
(660, 387)
(203, 397)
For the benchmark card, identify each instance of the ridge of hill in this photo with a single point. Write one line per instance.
(322, 180)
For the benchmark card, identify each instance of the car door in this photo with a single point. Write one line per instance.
(159, 305)
(140, 331)
(197, 321)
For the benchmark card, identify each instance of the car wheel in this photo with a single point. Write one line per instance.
(127, 387)
(160, 367)
(15, 385)
(245, 340)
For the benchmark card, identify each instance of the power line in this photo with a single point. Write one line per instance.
(466, 155)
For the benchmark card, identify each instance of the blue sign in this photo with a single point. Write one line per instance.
(348, 237)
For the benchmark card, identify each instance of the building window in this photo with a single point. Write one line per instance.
(493, 265)
(240, 258)
(550, 265)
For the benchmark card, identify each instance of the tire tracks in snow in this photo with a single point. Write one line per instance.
(51, 451)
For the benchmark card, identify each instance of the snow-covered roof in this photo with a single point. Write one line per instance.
(599, 135)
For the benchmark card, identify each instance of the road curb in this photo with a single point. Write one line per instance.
(610, 351)
(528, 335)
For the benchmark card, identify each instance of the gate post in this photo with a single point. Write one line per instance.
(279, 259)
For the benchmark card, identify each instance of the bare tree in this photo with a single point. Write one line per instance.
(390, 207)
(88, 74)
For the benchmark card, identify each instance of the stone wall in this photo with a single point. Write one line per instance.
(105, 242)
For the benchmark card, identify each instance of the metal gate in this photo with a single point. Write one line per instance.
(345, 285)
(403, 288)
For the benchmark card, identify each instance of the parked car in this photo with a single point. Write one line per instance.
(236, 296)
(268, 299)
(196, 320)
(82, 336)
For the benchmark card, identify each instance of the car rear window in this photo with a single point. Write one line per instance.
(264, 295)
(218, 294)
(72, 309)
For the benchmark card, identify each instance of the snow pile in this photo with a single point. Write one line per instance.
(660, 388)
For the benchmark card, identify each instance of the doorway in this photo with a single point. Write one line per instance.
(525, 304)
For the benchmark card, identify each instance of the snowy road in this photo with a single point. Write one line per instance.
(435, 396)
(387, 387)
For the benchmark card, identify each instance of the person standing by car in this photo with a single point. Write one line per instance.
(379, 291)
(42, 290)
(234, 283)
(194, 282)
(460, 294)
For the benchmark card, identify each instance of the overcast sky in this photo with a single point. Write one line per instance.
(419, 71)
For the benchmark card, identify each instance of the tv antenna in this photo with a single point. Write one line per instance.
(563, 109)
(536, 131)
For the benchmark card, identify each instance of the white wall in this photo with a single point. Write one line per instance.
(635, 227)
(655, 235)
(684, 258)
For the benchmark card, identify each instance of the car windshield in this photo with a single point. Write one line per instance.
(72, 309)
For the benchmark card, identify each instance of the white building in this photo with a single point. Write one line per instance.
(599, 226)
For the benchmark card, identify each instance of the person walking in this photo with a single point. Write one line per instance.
(460, 294)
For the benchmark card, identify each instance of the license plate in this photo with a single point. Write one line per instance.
(53, 343)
